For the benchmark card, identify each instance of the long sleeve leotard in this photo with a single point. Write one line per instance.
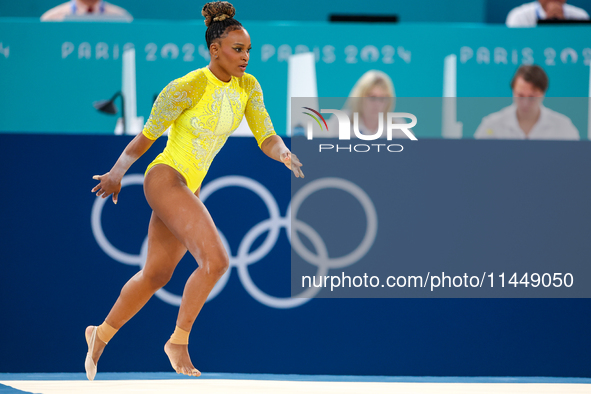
(202, 112)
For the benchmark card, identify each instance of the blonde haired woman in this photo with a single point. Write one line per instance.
(373, 94)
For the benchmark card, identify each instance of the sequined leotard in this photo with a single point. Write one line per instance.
(203, 112)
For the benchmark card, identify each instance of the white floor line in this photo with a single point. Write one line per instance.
(221, 386)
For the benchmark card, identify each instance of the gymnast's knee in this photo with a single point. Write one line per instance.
(156, 279)
(218, 265)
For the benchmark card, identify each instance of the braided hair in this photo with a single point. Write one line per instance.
(219, 19)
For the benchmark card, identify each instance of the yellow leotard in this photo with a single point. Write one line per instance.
(202, 112)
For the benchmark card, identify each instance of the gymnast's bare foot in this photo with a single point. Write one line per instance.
(99, 345)
(180, 360)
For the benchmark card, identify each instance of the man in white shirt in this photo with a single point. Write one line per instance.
(527, 15)
(95, 9)
(527, 118)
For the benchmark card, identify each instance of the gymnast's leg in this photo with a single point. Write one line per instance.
(188, 219)
(164, 253)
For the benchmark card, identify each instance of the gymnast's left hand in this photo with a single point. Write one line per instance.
(292, 162)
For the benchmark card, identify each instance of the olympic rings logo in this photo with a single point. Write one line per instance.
(272, 226)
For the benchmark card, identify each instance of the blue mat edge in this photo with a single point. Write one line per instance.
(311, 378)
(11, 390)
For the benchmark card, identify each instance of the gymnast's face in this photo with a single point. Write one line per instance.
(233, 52)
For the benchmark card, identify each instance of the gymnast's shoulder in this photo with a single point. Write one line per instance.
(195, 79)
(249, 83)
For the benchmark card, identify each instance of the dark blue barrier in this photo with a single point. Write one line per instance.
(55, 279)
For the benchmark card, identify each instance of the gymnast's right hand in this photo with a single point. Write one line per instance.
(108, 184)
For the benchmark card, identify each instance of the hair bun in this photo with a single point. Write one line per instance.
(217, 11)
(220, 18)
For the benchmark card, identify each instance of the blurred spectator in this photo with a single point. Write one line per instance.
(371, 95)
(527, 118)
(527, 15)
(81, 8)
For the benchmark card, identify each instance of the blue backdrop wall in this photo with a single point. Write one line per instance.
(55, 278)
(79, 63)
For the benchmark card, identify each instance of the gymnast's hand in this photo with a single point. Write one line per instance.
(292, 162)
(108, 184)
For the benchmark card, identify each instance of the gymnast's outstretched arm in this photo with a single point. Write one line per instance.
(110, 183)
